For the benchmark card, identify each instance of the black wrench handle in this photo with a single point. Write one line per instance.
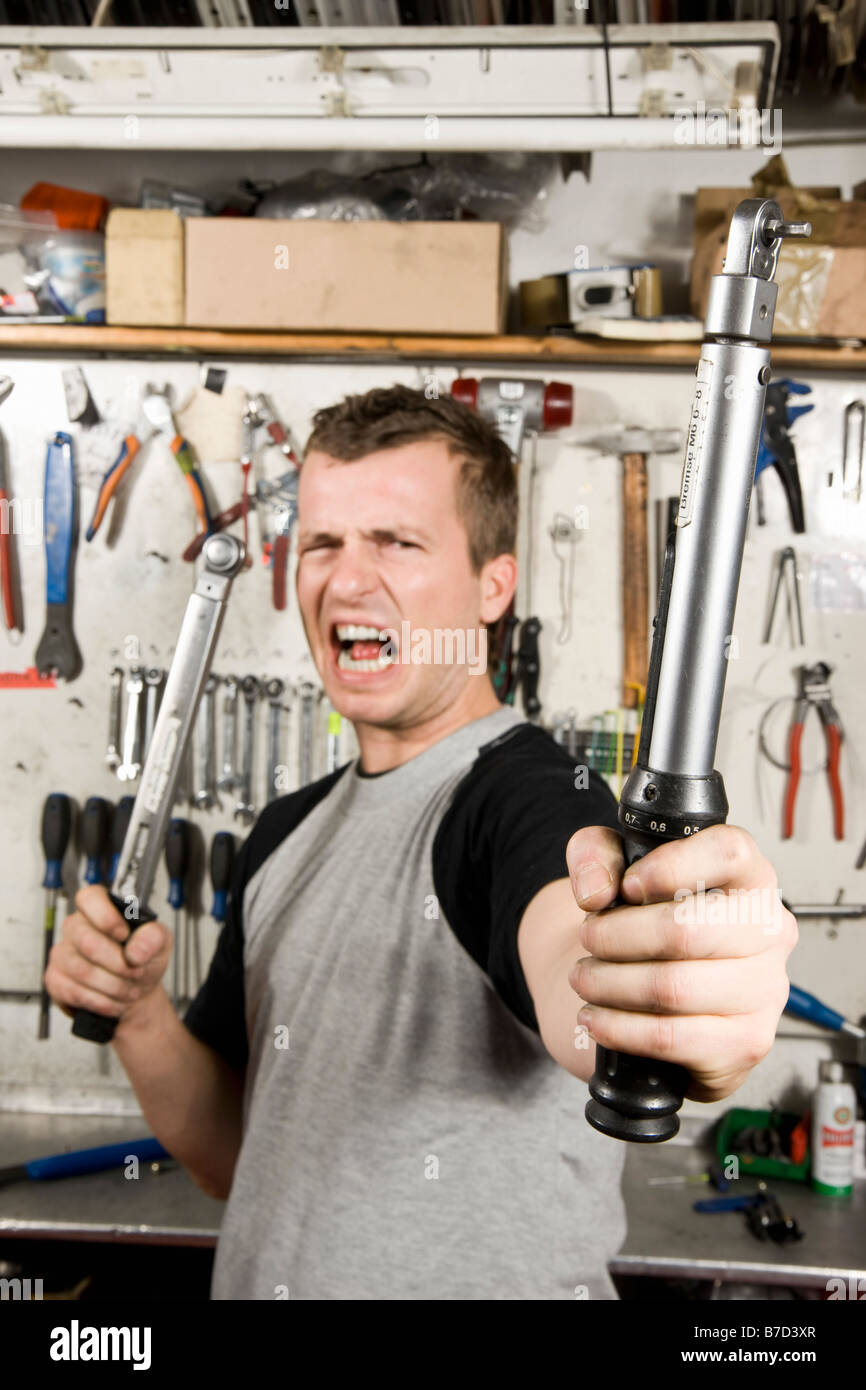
(99, 1028)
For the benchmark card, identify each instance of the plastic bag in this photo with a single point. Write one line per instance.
(508, 188)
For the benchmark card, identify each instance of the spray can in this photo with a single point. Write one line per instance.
(833, 1115)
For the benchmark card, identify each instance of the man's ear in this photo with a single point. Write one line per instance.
(498, 582)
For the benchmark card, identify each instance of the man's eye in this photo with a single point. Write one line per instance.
(407, 545)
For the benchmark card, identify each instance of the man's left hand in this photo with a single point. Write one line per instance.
(692, 968)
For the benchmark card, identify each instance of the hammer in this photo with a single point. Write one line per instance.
(634, 446)
(515, 405)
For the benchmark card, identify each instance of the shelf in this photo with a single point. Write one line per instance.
(377, 347)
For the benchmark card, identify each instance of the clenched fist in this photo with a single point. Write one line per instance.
(88, 968)
(692, 968)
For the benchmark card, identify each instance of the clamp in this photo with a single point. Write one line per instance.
(815, 691)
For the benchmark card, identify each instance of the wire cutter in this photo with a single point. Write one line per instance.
(776, 449)
(157, 409)
(815, 691)
(155, 418)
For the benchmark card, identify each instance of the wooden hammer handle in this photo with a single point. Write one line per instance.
(635, 576)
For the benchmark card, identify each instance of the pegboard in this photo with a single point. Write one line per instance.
(131, 588)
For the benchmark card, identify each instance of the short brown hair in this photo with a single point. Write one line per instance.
(387, 417)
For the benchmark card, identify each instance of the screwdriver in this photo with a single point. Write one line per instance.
(222, 858)
(94, 834)
(177, 863)
(56, 825)
(119, 825)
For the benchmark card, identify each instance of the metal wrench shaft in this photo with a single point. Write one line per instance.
(142, 845)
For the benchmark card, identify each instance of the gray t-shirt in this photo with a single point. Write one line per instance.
(406, 1135)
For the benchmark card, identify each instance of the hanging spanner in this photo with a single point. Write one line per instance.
(112, 752)
(228, 778)
(131, 765)
(203, 796)
(142, 846)
(153, 678)
(307, 696)
(245, 810)
(274, 690)
(57, 653)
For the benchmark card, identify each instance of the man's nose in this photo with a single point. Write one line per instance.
(354, 573)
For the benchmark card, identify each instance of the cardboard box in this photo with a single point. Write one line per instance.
(144, 267)
(822, 281)
(319, 276)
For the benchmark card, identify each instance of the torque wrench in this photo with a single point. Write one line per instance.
(139, 858)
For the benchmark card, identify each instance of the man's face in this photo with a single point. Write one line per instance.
(381, 546)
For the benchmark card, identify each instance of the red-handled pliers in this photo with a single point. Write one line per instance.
(815, 691)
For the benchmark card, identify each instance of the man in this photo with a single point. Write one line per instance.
(375, 1072)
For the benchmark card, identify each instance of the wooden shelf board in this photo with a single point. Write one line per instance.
(593, 352)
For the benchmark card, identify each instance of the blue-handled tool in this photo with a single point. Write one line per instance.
(222, 857)
(81, 1161)
(94, 834)
(804, 1005)
(56, 827)
(177, 863)
(776, 449)
(57, 653)
(119, 826)
(730, 1203)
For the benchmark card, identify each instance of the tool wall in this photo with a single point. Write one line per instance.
(131, 585)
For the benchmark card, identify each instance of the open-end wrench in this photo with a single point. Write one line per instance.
(245, 810)
(58, 652)
(112, 752)
(131, 765)
(153, 678)
(274, 690)
(203, 796)
(228, 777)
(307, 696)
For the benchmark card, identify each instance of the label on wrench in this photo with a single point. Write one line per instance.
(694, 441)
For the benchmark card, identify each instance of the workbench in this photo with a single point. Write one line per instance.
(665, 1239)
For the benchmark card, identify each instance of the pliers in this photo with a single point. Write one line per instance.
(156, 418)
(157, 409)
(815, 691)
(776, 449)
(128, 450)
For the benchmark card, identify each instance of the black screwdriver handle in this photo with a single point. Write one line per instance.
(56, 827)
(177, 858)
(222, 858)
(119, 826)
(177, 847)
(94, 835)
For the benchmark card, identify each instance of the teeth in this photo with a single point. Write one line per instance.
(345, 662)
(354, 632)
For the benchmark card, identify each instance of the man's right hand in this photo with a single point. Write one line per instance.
(88, 967)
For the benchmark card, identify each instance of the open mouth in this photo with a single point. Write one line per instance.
(360, 647)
